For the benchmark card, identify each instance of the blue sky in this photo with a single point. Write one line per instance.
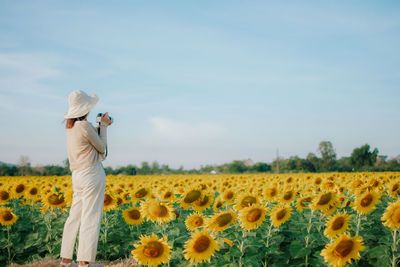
(202, 82)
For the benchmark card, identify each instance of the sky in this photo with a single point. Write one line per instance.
(191, 83)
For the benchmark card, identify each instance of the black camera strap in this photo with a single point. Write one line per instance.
(98, 132)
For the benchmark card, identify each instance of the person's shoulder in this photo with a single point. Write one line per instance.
(84, 125)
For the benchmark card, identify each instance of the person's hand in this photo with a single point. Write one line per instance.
(106, 119)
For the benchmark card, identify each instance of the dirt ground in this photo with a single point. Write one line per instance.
(55, 263)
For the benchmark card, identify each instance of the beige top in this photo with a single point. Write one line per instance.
(84, 146)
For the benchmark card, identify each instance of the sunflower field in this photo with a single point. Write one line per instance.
(319, 219)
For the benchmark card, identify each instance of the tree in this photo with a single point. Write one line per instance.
(237, 166)
(145, 168)
(328, 156)
(155, 168)
(24, 166)
(260, 167)
(361, 158)
(313, 162)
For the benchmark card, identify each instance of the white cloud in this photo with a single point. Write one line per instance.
(185, 133)
(22, 73)
(23, 79)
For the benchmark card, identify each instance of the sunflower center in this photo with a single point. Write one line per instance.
(119, 201)
(272, 192)
(343, 248)
(224, 219)
(218, 205)
(247, 201)
(395, 187)
(338, 223)
(288, 195)
(158, 210)
(203, 201)
(4, 195)
(324, 199)
(280, 214)
(254, 215)
(134, 214)
(168, 194)
(201, 244)
(198, 221)
(20, 188)
(229, 195)
(55, 199)
(33, 191)
(107, 199)
(141, 193)
(366, 201)
(304, 201)
(318, 181)
(396, 215)
(192, 196)
(153, 249)
(7, 215)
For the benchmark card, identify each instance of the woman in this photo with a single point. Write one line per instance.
(86, 147)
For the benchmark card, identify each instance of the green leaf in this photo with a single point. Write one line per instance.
(298, 249)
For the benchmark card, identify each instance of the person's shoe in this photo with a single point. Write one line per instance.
(68, 264)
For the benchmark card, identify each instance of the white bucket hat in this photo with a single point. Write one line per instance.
(80, 104)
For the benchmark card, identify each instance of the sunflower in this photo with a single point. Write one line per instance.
(229, 196)
(342, 250)
(4, 196)
(287, 196)
(246, 199)
(337, 225)
(7, 217)
(252, 217)
(194, 221)
(303, 203)
(156, 211)
(53, 200)
(280, 214)
(394, 188)
(110, 202)
(221, 221)
(204, 201)
(132, 216)
(32, 193)
(141, 193)
(152, 250)
(324, 201)
(366, 202)
(166, 194)
(391, 216)
(218, 204)
(331, 208)
(271, 193)
(19, 190)
(200, 247)
(191, 195)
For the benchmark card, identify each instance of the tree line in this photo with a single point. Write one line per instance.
(362, 158)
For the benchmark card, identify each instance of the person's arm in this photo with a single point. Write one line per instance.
(98, 141)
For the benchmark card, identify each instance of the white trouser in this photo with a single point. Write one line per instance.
(85, 213)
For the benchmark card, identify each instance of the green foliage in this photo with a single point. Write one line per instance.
(362, 158)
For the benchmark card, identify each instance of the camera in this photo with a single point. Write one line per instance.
(98, 118)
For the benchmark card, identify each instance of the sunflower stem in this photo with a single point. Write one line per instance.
(308, 234)
(394, 248)
(269, 234)
(358, 223)
(241, 248)
(8, 245)
(267, 244)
